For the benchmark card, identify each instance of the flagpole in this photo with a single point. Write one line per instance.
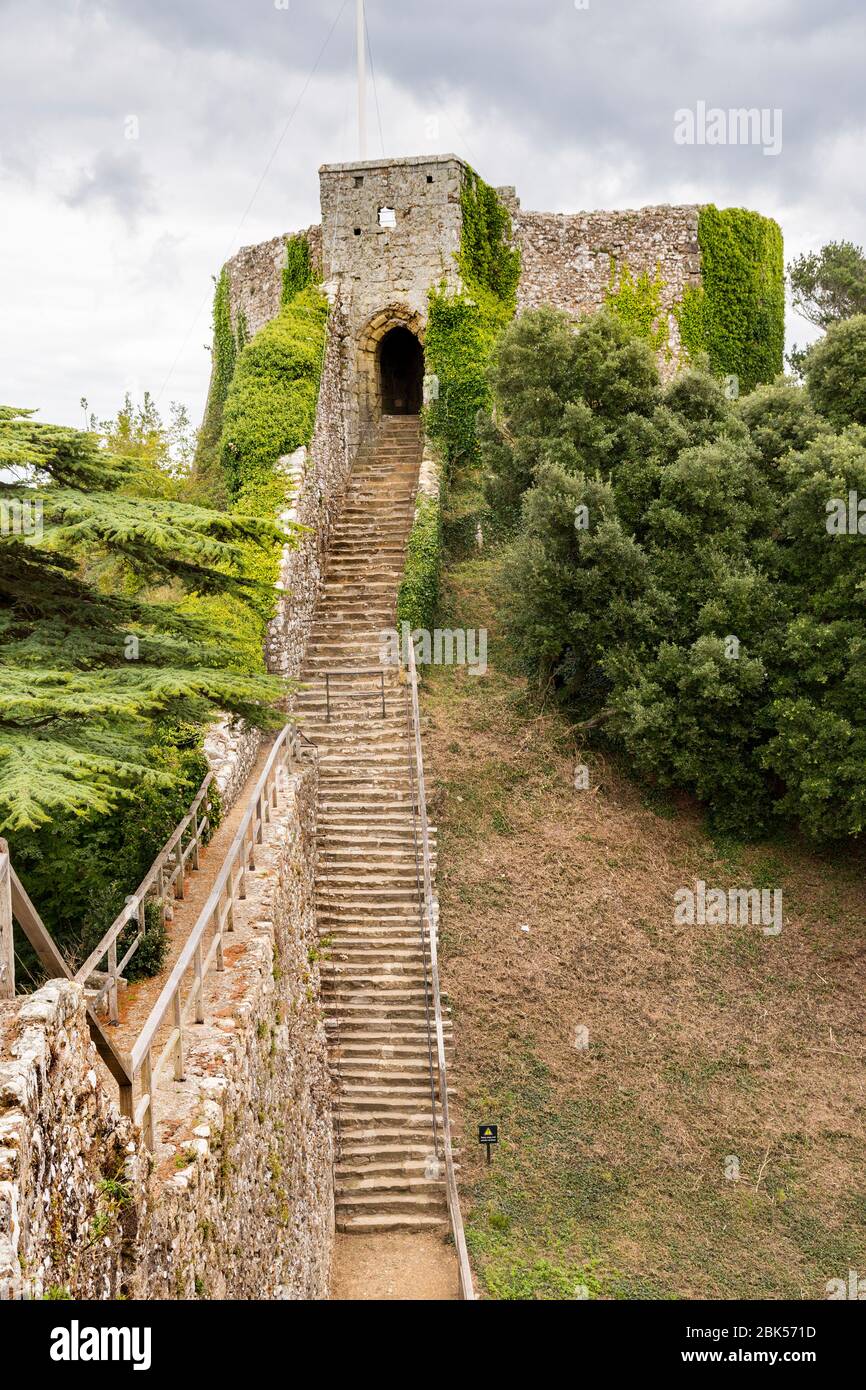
(361, 44)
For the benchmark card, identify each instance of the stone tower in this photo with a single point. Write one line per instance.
(390, 232)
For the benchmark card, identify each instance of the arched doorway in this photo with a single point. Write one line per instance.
(401, 372)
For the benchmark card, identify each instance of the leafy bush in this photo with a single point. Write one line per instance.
(835, 370)
(270, 408)
(673, 579)
(419, 588)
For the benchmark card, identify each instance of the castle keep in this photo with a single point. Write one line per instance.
(391, 231)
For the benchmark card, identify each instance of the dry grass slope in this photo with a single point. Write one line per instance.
(706, 1043)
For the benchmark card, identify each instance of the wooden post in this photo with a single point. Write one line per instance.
(199, 985)
(147, 1087)
(178, 1023)
(178, 853)
(113, 1015)
(7, 945)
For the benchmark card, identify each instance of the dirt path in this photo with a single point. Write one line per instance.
(397, 1266)
(137, 1000)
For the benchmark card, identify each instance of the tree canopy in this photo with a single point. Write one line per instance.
(94, 648)
(672, 577)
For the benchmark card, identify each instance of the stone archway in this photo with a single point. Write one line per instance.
(409, 363)
(401, 372)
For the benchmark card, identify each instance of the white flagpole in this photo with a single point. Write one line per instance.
(361, 44)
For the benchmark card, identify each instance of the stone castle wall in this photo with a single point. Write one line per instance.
(238, 1200)
(256, 277)
(566, 258)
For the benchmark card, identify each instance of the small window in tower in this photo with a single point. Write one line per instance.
(387, 217)
(359, 180)
(357, 231)
(429, 178)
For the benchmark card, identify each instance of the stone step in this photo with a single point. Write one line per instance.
(381, 1225)
(384, 1168)
(391, 1203)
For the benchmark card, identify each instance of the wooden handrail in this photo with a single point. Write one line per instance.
(165, 873)
(431, 912)
(40, 939)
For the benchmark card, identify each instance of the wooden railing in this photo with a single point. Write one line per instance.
(16, 905)
(164, 877)
(203, 949)
(431, 918)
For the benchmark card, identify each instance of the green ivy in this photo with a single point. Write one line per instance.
(638, 303)
(461, 330)
(737, 314)
(462, 327)
(270, 410)
(419, 587)
(298, 271)
(487, 258)
(271, 404)
(226, 345)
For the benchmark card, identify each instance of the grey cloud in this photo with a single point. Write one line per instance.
(118, 180)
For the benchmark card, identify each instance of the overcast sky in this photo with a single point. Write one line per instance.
(108, 244)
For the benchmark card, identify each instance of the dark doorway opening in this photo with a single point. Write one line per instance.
(401, 372)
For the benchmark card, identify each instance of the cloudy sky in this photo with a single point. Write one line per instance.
(144, 141)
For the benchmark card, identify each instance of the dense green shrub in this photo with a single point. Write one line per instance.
(835, 370)
(419, 588)
(568, 398)
(270, 408)
(673, 580)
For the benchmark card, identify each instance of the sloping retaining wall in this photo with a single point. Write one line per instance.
(238, 1200)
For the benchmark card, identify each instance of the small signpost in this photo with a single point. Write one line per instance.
(488, 1135)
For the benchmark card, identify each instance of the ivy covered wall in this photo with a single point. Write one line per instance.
(461, 330)
(737, 314)
(263, 395)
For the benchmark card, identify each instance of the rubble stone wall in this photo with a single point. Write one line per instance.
(237, 1202)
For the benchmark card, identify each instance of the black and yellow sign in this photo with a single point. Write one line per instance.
(488, 1134)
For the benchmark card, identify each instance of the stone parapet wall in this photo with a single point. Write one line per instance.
(256, 277)
(237, 1202)
(566, 258)
(231, 752)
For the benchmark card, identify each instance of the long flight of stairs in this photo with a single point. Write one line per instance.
(369, 880)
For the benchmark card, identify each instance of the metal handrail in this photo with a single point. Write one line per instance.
(425, 957)
(431, 910)
(229, 887)
(166, 873)
(354, 694)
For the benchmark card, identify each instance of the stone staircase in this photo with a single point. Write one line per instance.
(369, 884)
